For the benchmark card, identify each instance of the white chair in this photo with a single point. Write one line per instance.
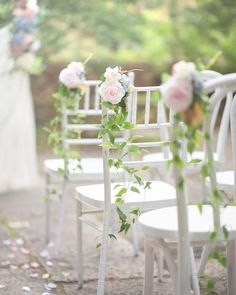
(220, 137)
(102, 196)
(92, 170)
(162, 225)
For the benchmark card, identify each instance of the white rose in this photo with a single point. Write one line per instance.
(183, 69)
(112, 92)
(69, 78)
(76, 66)
(112, 74)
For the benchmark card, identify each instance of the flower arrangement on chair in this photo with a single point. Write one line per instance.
(115, 91)
(69, 94)
(23, 43)
(183, 95)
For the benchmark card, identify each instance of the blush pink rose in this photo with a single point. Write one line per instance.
(112, 92)
(69, 78)
(177, 94)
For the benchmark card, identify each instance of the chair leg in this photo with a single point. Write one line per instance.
(160, 264)
(149, 264)
(61, 219)
(135, 239)
(195, 282)
(204, 257)
(79, 244)
(47, 211)
(103, 254)
(231, 268)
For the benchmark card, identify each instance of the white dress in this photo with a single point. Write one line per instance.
(18, 160)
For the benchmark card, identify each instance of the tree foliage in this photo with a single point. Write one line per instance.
(155, 32)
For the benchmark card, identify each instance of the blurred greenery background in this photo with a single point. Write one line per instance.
(146, 34)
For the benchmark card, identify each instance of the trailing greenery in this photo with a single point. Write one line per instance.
(112, 125)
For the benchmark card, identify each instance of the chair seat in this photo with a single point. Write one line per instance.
(92, 169)
(162, 223)
(199, 155)
(161, 194)
(225, 180)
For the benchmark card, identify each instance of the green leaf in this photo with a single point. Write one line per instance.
(210, 284)
(136, 212)
(225, 232)
(110, 163)
(148, 185)
(122, 192)
(195, 161)
(213, 235)
(98, 245)
(134, 189)
(111, 236)
(121, 215)
(128, 125)
(119, 201)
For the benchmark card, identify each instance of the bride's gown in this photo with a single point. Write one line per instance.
(18, 160)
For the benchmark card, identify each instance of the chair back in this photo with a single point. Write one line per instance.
(143, 123)
(233, 139)
(80, 122)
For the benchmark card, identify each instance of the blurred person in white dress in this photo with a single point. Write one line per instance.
(18, 158)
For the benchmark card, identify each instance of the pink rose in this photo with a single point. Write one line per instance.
(69, 78)
(112, 92)
(177, 94)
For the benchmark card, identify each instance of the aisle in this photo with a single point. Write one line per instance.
(25, 210)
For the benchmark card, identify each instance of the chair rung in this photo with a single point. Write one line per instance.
(150, 144)
(90, 223)
(93, 211)
(82, 127)
(144, 163)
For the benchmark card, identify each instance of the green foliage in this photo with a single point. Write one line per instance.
(156, 32)
(115, 121)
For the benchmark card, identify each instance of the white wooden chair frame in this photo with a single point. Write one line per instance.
(155, 234)
(106, 203)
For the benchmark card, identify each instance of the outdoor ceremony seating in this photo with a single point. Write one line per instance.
(160, 226)
(101, 197)
(92, 172)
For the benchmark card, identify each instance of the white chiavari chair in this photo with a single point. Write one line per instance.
(88, 108)
(102, 196)
(162, 225)
(219, 134)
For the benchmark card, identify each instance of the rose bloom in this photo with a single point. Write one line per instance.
(112, 92)
(183, 69)
(177, 94)
(78, 67)
(112, 74)
(69, 78)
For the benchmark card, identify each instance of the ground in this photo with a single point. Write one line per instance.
(22, 264)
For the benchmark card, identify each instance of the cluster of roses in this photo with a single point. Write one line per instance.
(116, 85)
(73, 75)
(24, 26)
(182, 88)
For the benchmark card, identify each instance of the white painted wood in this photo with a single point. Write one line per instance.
(233, 136)
(79, 245)
(231, 267)
(164, 224)
(103, 196)
(195, 283)
(147, 107)
(149, 265)
(47, 211)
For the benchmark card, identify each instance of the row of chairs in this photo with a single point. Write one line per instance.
(99, 197)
